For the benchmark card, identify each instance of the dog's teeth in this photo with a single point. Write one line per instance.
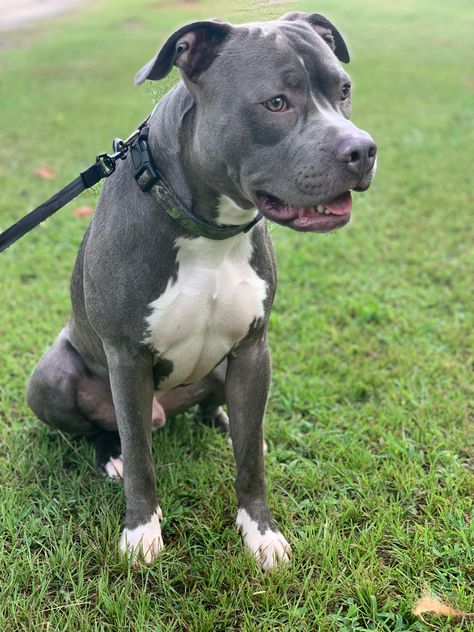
(327, 211)
(320, 208)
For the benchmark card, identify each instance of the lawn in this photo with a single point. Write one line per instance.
(370, 469)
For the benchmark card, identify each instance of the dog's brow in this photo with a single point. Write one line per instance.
(344, 78)
(293, 79)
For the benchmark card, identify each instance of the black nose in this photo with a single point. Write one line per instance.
(358, 152)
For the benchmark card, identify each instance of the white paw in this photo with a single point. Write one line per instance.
(270, 548)
(145, 541)
(114, 468)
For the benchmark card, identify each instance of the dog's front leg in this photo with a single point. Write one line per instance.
(247, 384)
(131, 380)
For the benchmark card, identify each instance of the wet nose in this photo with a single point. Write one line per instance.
(358, 153)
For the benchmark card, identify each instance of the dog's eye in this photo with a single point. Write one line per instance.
(345, 92)
(277, 104)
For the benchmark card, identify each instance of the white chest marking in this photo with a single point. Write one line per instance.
(208, 308)
(229, 213)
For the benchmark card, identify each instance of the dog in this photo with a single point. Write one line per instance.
(170, 313)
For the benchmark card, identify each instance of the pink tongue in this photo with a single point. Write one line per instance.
(340, 205)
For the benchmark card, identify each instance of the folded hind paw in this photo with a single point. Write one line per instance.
(114, 468)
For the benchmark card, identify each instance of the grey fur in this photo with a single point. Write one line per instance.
(210, 136)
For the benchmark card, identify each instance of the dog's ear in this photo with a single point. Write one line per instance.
(326, 30)
(192, 48)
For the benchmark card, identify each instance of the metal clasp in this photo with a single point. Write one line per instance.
(106, 164)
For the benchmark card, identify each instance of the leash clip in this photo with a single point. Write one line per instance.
(120, 148)
(106, 164)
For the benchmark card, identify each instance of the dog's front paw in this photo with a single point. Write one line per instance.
(145, 541)
(268, 545)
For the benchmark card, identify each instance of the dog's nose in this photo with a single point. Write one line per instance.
(358, 152)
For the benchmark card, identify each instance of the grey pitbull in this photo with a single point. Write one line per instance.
(164, 318)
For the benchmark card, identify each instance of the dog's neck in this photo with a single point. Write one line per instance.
(171, 142)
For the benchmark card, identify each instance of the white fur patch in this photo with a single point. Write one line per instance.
(114, 468)
(270, 548)
(230, 213)
(208, 309)
(145, 541)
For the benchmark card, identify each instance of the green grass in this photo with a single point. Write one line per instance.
(370, 468)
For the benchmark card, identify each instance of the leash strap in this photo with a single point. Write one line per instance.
(103, 167)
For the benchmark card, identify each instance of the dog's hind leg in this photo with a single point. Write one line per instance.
(52, 388)
(108, 451)
(64, 393)
(209, 410)
(208, 395)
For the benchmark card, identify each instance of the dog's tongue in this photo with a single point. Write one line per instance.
(340, 205)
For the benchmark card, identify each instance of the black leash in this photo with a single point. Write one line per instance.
(148, 179)
(103, 167)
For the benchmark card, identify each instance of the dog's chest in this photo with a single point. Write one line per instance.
(207, 309)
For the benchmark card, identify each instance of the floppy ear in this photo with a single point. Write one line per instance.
(326, 30)
(192, 48)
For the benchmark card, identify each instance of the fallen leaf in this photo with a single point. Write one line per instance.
(83, 211)
(428, 604)
(45, 172)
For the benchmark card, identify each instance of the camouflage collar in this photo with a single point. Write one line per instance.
(170, 203)
(150, 180)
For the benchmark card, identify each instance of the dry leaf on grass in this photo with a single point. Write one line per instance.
(45, 172)
(83, 211)
(428, 604)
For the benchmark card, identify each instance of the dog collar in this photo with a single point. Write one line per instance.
(150, 180)
(169, 202)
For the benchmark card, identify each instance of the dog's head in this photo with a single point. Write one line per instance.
(272, 112)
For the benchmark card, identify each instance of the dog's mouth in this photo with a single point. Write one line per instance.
(321, 218)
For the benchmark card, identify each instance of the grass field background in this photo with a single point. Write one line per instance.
(369, 420)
